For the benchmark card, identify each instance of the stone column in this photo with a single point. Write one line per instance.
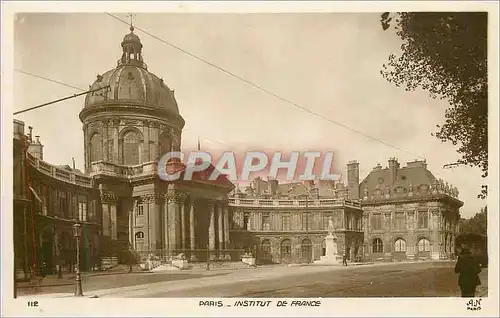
(158, 203)
(435, 229)
(183, 235)
(131, 225)
(411, 243)
(192, 237)
(108, 201)
(113, 142)
(226, 231)
(211, 228)
(104, 140)
(166, 226)
(173, 222)
(145, 151)
(220, 229)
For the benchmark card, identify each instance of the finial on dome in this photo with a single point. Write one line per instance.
(131, 16)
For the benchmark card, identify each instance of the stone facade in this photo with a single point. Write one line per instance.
(291, 231)
(394, 214)
(408, 213)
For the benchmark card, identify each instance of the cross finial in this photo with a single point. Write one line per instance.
(131, 16)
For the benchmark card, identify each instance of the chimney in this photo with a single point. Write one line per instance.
(393, 170)
(19, 130)
(272, 186)
(353, 179)
(30, 134)
(36, 149)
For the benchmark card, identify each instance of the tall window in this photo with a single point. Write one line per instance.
(399, 220)
(165, 144)
(265, 248)
(95, 148)
(376, 221)
(423, 220)
(266, 222)
(400, 245)
(82, 209)
(306, 220)
(140, 210)
(377, 246)
(424, 245)
(287, 224)
(246, 221)
(131, 148)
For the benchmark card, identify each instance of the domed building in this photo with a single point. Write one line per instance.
(119, 199)
(134, 119)
(128, 126)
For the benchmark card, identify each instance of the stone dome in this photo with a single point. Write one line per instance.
(131, 83)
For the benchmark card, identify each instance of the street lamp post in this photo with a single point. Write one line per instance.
(77, 232)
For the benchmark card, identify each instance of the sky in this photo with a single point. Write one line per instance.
(328, 63)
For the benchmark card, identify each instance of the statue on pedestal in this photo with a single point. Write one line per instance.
(331, 256)
(331, 227)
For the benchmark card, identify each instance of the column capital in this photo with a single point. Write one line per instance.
(151, 198)
(177, 197)
(108, 197)
(434, 211)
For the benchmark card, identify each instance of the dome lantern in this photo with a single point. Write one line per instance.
(132, 50)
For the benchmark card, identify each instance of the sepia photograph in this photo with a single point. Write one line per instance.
(269, 159)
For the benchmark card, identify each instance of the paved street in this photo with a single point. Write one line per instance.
(424, 279)
(408, 280)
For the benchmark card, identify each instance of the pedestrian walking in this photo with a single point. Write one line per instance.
(344, 260)
(43, 270)
(468, 269)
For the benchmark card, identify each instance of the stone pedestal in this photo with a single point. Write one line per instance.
(180, 263)
(248, 260)
(331, 257)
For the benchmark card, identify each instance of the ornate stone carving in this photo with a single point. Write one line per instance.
(130, 122)
(177, 197)
(108, 197)
(145, 122)
(434, 211)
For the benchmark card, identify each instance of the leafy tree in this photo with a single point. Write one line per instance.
(445, 53)
(478, 224)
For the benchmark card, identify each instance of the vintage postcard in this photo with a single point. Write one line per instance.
(250, 159)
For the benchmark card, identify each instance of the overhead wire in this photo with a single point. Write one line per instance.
(287, 101)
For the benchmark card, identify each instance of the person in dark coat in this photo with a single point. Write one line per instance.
(468, 269)
(344, 259)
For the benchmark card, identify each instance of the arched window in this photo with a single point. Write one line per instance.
(265, 247)
(95, 148)
(131, 145)
(424, 245)
(306, 249)
(139, 235)
(377, 246)
(165, 144)
(400, 245)
(286, 251)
